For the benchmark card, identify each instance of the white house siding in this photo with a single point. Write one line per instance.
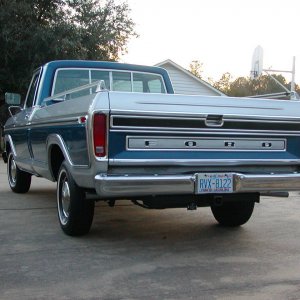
(185, 84)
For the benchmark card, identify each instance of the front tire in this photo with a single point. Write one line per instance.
(19, 181)
(75, 212)
(235, 213)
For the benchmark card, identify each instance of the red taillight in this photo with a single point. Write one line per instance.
(99, 134)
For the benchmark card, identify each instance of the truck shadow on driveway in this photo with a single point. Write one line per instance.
(131, 223)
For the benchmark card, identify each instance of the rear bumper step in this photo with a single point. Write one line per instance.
(121, 186)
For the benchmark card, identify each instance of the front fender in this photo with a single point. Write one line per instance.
(8, 140)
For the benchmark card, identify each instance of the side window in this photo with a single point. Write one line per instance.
(32, 90)
(121, 81)
(148, 83)
(70, 79)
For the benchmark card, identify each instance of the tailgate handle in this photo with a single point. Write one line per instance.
(214, 121)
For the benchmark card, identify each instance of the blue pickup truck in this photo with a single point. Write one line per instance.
(111, 131)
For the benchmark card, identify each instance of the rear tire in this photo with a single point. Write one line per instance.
(235, 213)
(19, 181)
(75, 212)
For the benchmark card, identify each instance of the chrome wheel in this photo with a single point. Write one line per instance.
(75, 212)
(12, 170)
(19, 181)
(63, 199)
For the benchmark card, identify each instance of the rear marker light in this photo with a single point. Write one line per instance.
(82, 120)
(99, 135)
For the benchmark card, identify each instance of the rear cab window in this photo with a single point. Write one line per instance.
(115, 80)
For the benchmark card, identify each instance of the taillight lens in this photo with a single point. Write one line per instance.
(99, 134)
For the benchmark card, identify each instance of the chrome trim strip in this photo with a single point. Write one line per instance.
(210, 105)
(200, 162)
(65, 121)
(262, 120)
(122, 186)
(212, 131)
(190, 116)
(164, 143)
(202, 127)
(56, 122)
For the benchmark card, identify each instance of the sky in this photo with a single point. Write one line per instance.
(221, 34)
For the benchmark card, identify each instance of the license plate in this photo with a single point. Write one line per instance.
(209, 183)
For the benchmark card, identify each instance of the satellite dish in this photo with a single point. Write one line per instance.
(257, 62)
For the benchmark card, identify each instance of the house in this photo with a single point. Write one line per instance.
(184, 82)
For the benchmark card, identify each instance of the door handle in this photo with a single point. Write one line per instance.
(214, 121)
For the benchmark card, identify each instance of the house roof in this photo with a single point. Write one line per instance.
(201, 81)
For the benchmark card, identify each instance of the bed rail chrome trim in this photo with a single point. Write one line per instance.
(200, 123)
(129, 113)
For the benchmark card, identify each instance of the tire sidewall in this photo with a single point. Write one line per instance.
(12, 183)
(63, 173)
(234, 214)
(80, 209)
(19, 182)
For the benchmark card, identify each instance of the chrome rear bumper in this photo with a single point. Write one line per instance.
(122, 186)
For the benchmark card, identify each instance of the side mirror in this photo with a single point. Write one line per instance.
(12, 99)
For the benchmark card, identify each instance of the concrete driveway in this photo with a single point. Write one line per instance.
(132, 253)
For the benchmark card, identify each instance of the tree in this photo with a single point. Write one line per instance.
(196, 68)
(33, 32)
(245, 86)
(223, 84)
